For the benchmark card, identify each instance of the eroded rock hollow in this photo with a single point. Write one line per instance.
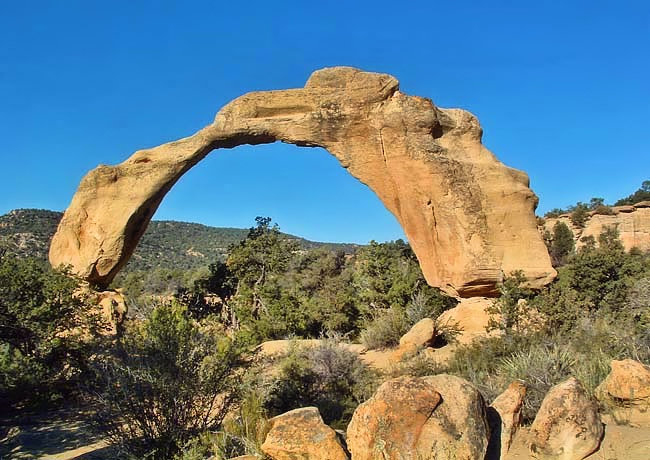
(469, 218)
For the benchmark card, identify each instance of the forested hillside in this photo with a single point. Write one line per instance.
(165, 244)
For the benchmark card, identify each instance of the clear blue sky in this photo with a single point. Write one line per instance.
(561, 89)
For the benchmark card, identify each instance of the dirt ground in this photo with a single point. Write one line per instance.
(621, 442)
(65, 435)
(56, 435)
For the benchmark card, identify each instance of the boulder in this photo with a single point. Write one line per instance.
(470, 317)
(389, 423)
(458, 429)
(469, 218)
(425, 418)
(568, 425)
(623, 209)
(626, 392)
(301, 434)
(504, 417)
(114, 309)
(422, 334)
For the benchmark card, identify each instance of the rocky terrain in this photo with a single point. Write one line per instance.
(434, 377)
(446, 417)
(420, 418)
(631, 221)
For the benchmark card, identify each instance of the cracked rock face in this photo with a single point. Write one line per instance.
(469, 218)
(420, 418)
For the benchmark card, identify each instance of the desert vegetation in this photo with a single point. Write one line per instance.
(579, 212)
(185, 379)
(590, 315)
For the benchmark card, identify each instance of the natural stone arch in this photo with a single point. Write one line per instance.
(469, 218)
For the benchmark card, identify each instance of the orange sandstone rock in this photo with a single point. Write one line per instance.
(440, 417)
(504, 415)
(567, 426)
(626, 392)
(388, 425)
(302, 434)
(469, 218)
(631, 222)
(422, 334)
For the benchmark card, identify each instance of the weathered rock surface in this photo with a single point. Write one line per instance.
(468, 217)
(438, 417)
(469, 317)
(422, 334)
(567, 426)
(458, 429)
(113, 307)
(626, 392)
(389, 423)
(632, 223)
(504, 417)
(302, 434)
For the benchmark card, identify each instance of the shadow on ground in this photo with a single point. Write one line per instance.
(62, 434)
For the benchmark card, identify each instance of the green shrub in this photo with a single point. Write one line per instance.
(385, 329)
(198, 448)
(169, 380)
(427, 303)
(478, 361)
(388, 325)
(642, 194)
(47, 331)
(579, 215)
(555, 212)
(603, 210)
(418, 364)
(539, 367)
(562, 244)
(326, 376)
(244, 432)
(509, 313)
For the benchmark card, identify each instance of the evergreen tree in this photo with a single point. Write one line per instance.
(562, 244)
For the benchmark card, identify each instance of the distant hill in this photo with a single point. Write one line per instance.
(166, 244)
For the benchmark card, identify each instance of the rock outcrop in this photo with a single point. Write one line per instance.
(626, 392)
(458, 429)
(504, 417)
(302, 434)
(632, 223)
(567, 425)
(468, 217)
(470, 317)
(422, 334)
(114, 309)
(439, 417)
(389, 424)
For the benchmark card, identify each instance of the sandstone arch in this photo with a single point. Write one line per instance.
(468, 217)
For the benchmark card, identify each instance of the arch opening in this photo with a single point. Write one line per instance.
(304, 190)
(469, 218)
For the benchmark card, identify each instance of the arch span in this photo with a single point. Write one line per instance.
(468, 217)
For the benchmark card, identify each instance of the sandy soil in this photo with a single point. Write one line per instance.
(64, 435)
(621, 442)
(56, 435)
